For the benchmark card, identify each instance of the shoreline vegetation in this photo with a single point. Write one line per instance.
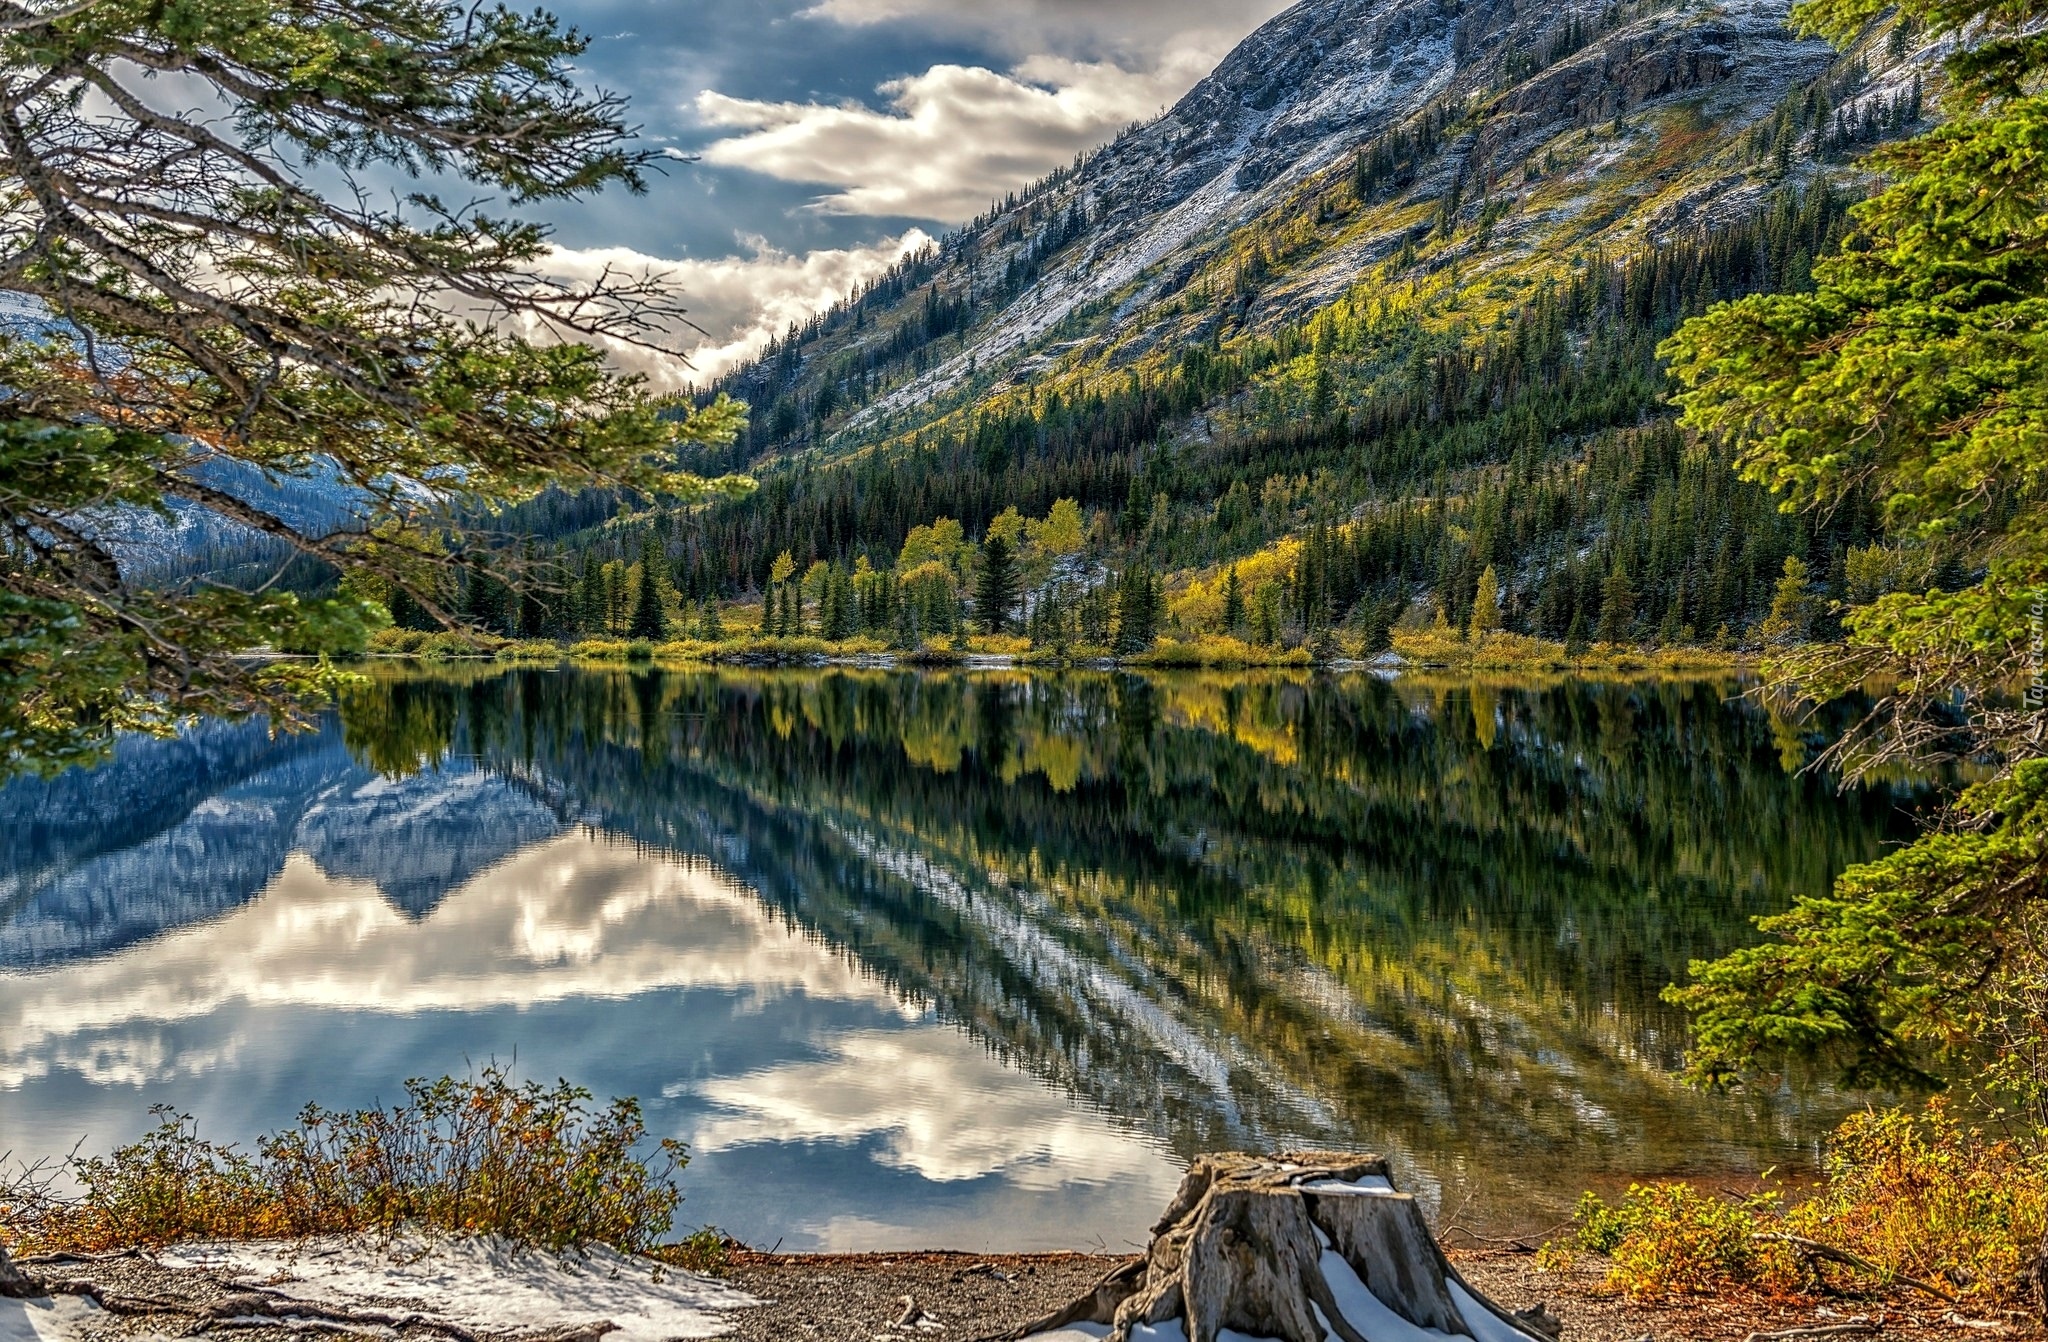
(1918, 1220)
(1419, 649)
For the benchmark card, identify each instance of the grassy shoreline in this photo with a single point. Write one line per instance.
(1432, 650)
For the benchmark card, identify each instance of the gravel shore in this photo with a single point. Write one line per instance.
(859, 1298)
(952, 1297)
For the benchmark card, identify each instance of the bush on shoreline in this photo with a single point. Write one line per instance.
(1433, 648)
(485, 1155)
(1908, 1198)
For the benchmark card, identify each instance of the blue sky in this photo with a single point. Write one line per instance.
(828, 135)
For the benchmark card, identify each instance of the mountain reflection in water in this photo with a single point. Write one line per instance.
(920, 959)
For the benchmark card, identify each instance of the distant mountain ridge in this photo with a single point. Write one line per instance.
(1387, 285)
(1312, 87)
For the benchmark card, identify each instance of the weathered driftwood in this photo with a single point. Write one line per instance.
(1302, 1246)
(1815, 1249)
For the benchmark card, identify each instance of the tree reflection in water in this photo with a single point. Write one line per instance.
(1427, 917)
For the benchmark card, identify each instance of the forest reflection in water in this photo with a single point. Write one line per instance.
(1426, 917)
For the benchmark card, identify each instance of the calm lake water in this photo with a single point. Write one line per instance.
(962, 959)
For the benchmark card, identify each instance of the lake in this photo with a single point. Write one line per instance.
(960, 959)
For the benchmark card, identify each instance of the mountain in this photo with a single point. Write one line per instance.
(172, 832)
(1384, 291)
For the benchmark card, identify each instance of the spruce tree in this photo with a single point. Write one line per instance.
(903, 631)
(649, 621)
(1575, 637)
(1265, 615)
(1233, 603)
(1909, 372)
(1617, 607)
(835, 606)
(995, 588)
(776, 622)
(1378, 625)
(710, 625)
(219, 283)
(1137, 611)
(1793, 606)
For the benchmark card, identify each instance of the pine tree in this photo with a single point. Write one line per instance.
(649, 620)
(1233, 603)
(710, 626)
(1617, 607)
(1793, 606)
(835, 605)
(1137, 611)
(995, 589)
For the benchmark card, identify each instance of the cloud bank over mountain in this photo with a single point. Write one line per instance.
(953, 138)
(737, 302)
(812, 142)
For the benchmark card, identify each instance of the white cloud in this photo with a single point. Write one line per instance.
(740, 301)
(954, 137)
(1130, 28)
(575, 917)
(935, 1101)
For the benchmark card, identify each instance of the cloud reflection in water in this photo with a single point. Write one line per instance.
(630, 972)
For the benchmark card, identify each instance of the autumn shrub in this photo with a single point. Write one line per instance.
(530, 650)
(709, 1251)
(937, 651)
(998, 645)
(1908, 1197)
(484, 1155)
(1924, 1196)
(1667, 1238)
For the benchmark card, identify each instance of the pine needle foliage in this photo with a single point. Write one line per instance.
(215, 315)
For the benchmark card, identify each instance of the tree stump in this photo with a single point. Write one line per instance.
(14, 1283)
(1302, 1246)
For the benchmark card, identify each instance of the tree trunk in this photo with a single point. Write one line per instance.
(1299, 1246)
(2041, 1277)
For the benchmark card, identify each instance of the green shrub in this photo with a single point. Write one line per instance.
(397, 642)
(447, 645)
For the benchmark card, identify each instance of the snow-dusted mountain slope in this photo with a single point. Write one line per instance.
(1519, 134)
